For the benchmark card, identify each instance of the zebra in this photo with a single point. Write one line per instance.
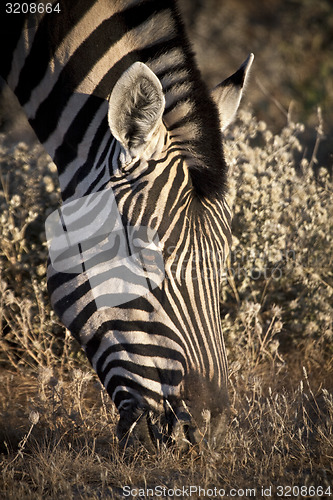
(113, 93)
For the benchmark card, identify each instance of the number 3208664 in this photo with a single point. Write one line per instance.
(31, 8)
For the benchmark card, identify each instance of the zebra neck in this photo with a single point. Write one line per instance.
(66, 65)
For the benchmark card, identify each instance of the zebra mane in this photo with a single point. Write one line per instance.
(194, 117)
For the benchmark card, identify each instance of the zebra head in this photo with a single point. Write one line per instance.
(137, 248)
(137, 105)
(150, 321)
(145, 302)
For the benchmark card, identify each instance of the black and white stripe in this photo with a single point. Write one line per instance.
(165, 346)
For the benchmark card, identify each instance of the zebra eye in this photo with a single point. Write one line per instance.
(148, 250)
(140, 244)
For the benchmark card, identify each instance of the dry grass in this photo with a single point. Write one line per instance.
(58, 439)
(57, 425)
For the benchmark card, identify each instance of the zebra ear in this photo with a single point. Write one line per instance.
(136, 107)
(227, 95)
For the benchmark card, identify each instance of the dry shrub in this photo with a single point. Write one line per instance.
(280, 269)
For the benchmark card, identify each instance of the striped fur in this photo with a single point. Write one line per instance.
(164, 349)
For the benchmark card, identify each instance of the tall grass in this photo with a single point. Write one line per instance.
(57, 424)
